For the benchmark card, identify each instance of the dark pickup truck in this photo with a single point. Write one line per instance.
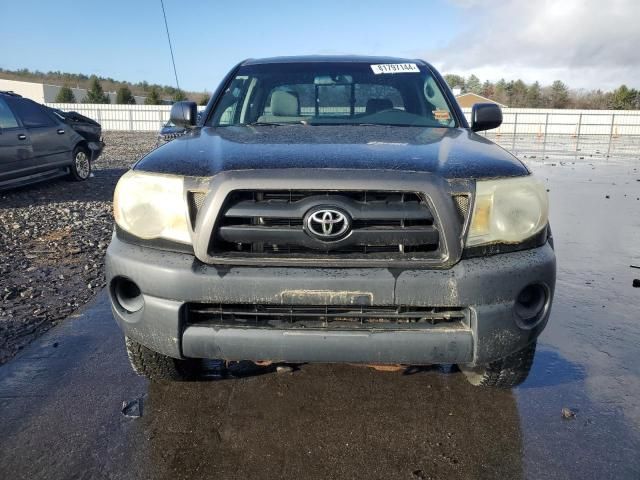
(332, 209)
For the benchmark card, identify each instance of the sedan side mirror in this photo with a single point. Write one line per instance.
(485, 116)
(183, 114)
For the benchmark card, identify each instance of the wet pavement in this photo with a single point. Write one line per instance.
(61, 398)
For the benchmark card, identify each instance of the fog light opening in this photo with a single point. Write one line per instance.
(127, 294)
(531, 304)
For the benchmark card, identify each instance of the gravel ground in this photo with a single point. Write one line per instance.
(53, 237)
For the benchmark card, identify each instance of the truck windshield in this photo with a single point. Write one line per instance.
(341, 93)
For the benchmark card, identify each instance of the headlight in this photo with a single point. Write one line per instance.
(151, 206)
(508, 211)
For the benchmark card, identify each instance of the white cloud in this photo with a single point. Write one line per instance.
(586, 43)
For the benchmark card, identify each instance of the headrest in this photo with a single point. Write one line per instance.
(284, 104)
(375, 105)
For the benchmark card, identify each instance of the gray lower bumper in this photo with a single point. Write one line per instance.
(487, 286)
(443, 346)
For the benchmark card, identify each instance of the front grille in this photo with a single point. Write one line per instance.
(384, 224)
(323, 316)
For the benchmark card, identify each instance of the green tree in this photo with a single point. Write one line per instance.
(635, 105)
(534, 96)
(473, 85)
(178, 96)
(65, 95)
(95, 94)
(518, 94)
(559, 95)
(501, 92)
(623, 98)
(124, 96)
(454, 80)
(204, 99)
(153, 98)
(488, 89)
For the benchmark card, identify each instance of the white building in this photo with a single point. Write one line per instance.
(43, 93)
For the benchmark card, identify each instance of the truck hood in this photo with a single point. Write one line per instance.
(448, 152)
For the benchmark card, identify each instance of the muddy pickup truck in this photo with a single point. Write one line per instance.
(332, 209)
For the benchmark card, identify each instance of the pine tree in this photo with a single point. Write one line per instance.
(454, 81)
(501, 94)
(623, 98)
(204, 99)
(559, 95)
(472, 85)
(153, 98)
(534, 96)
(65, 95)
(95, 94)
(518, 94)
(488, 89)
(124, 96)
(179, 96)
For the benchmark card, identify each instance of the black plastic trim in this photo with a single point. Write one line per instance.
(156, 243)
(535, 241)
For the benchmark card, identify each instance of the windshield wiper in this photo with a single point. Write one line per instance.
(358, 124)
(269, 124)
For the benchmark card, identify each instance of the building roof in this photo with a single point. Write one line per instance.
(477, 98)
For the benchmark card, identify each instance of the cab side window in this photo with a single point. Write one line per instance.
(7, 119)
(31, 114)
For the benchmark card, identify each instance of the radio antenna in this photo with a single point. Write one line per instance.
(173, 61)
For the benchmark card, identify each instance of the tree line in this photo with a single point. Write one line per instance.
(96, 85)
(518, 94)
(514, 93)
(124, 96)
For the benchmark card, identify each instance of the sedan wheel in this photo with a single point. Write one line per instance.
(81, 167)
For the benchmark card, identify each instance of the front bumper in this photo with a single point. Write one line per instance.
(96, 149)
(486, 286)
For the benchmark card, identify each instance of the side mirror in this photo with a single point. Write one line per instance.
(485, 116)
(183, 114)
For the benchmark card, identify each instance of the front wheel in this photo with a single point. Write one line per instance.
(155, 366)
(81, 164)
(507, 372)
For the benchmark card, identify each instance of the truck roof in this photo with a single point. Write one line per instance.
(331, 59)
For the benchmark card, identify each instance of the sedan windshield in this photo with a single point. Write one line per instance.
(340, 93)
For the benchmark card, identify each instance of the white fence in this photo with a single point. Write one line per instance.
(131, 118)
(568, 122)
(578, 134)
(525, 132)
(516, 120)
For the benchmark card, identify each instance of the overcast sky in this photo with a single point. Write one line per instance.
(585, 43)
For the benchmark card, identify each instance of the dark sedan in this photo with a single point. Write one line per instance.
(38, 143)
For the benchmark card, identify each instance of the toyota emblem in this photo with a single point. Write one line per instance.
(328, 223)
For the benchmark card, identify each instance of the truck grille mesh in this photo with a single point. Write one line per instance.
(322, 316)
(195, 202)
(462, 206)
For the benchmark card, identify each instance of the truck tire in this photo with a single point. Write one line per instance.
(155, 366)
(80, 164)
(507, 372)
